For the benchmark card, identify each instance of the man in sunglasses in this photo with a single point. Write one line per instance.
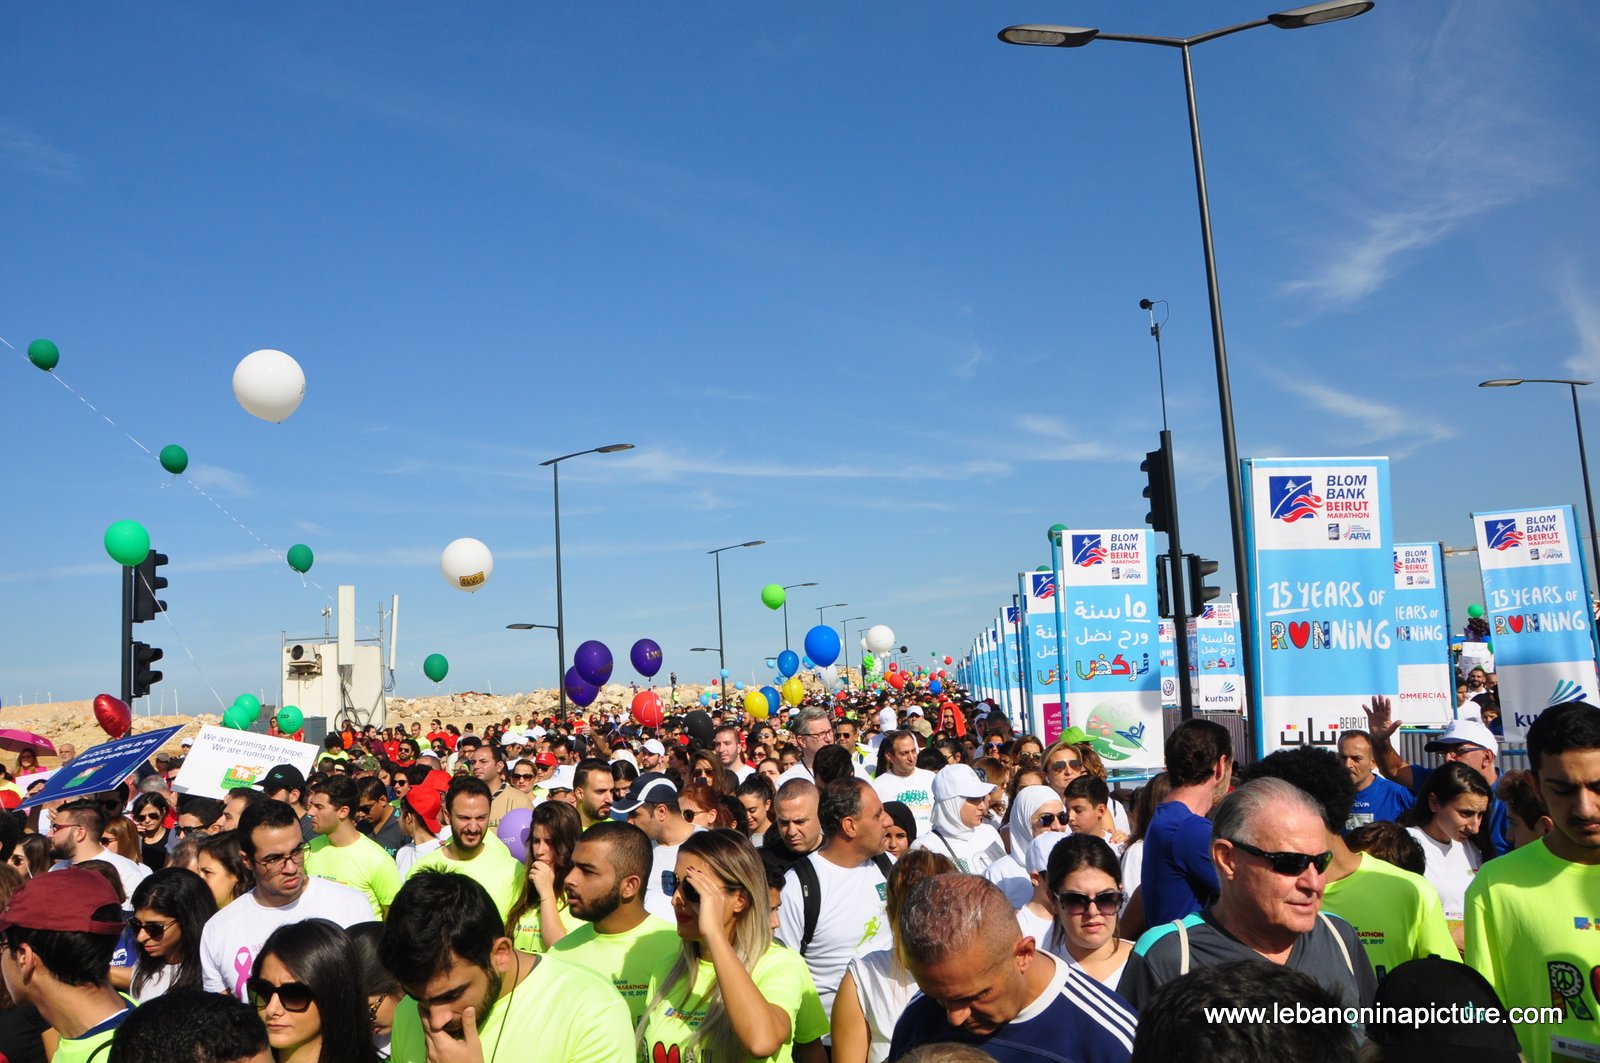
(376, 816)
(651, 804)
(1270, 848)
(75, 832)
(269, 837)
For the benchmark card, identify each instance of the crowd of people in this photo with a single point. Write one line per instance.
(847, 880)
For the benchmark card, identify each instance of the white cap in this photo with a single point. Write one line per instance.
(562, 778)
(1464, 732)
(538, 732)
(959, 780)
(886, 720)
(915, 710)
(186, 743)
(513, 738)
(653, 745)
(1037, 858)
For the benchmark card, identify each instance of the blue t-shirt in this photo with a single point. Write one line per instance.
(1499, 817)
(1383, 800)
(1178, 877)
(1075, 1018)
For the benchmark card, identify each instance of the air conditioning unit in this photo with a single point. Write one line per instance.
(302, 659)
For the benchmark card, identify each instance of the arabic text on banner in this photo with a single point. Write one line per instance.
(1536, 599)
(1322, 590)
(1167, 640)
(1215, 674)
(1114, 666)
(1044, 686)
(1422, 636)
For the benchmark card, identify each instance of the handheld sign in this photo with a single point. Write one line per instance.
(101, 768)
(223, 759)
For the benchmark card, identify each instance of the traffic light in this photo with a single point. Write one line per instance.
(1157, 466)
(1200, 592)
(145, 585)
(144, 655)
(1163, 599)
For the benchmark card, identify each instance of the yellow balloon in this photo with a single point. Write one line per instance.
(793, 691)
(755, 705)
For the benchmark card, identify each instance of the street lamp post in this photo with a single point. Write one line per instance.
(787, 587)
(844, 640)
(722, 660)
(1298, 18)
(531, 627)
(835, 605)
(1583, 455)
(561, 620)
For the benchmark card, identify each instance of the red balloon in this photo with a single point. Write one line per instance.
(112, 715)
(647, 708)
(949, 660)
(897, 680)
(894, 667)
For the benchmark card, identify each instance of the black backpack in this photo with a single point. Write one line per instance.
(811, 894)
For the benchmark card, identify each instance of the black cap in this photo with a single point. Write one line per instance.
(282, 777)
(1434, 983)
(652, 787)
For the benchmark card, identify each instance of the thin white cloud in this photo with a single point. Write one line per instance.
(24, 149)
(1583, 310)
(1403, 431)
(1061, 443)
(217, 480)
(967, 366)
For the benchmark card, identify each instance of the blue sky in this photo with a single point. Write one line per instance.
(858, 280)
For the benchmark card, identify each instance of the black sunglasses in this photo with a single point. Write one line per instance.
(1290, 864)
(1063, 765)
(292, 995)
(155, 928)
(523, 776)
(1050, 819)
(1107, 903)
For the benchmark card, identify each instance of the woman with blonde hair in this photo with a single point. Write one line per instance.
(732, 995)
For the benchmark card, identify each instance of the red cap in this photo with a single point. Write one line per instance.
(547, 760)
(436, 780)
(425, 803)
(73, 899)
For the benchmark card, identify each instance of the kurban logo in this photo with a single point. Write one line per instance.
(1087, 551)
(1044, 584)
(1291, 498)
(1566, 690)
(1502, 533)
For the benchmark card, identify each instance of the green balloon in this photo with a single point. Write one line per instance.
(1055, 533)
(250, 705)
(436, 667)
(772, 596)
(1474, 611)
(127, 542)
(300, 558)
(174, 458)
(44, 354)
(236, 718)
(290, 719)
(1042, 568)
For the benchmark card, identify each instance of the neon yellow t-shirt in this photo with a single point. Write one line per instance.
(560, 1013)
(781, 976)
(1397, 915)
(630, 959)
(363, 865)
(1533, 930)
(494, 868)
(525, 935)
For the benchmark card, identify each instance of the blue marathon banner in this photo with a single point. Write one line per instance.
(1046, 692)
(101, 768)
(1114, 689)
(1322, 586)
(1010, 669)
(1422, 633)
(1215, 671)
(1541, 620)
(1166, 635)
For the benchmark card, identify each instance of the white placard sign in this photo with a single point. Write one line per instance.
(223, 759)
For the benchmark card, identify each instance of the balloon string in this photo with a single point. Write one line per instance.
(167, 616)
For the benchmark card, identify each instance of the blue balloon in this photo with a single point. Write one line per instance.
(772, 662)
(738, 686)
(705, 697)
(935, 687)
(788, 663)
(805, 662)
(773, 700)
(822, 645)
(724, 673)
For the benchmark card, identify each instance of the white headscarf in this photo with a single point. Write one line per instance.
(1029, 800)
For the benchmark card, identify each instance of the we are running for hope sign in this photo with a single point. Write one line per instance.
(1321, 586)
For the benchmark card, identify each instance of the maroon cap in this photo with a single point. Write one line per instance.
(72, 899)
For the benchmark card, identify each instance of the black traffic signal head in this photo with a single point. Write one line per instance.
(1200, 592)
(145, 585)
(1159, 491)
(144, 676)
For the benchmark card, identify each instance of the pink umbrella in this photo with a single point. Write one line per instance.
(17, 741)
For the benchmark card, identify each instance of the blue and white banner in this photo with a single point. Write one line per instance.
(1166, 636)
(102, 768)
(1011, 679)
(1045, 689)
(1322, 587)
(1422, 632)
(1215, 669)
(1114, 689)
(1541, 620)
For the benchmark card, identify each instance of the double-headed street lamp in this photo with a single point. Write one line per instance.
(1299, 18)
(561, 620)
(1583, 456)
(531, 627)
(835, 605)
(787, 587)
(844, 638)
(722, 659)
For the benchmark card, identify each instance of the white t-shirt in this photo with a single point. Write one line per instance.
(663, 858)
(741, 770)
(1041, 928)
(130, 872)
(1132, 871)
(800, 771)
(853, 920)
(883, 989)
(1012, 878)
(233, 936)
(915, 791)
(159, 983)
(409, 853)
(972, 852)
(1451, 866)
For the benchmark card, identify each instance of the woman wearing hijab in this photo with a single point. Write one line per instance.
(1036, 810)
(960, 799)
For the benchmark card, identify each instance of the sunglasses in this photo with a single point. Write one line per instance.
(671, 883)
(995, 747)
(1290, 864)
(523, 776)
(149, 817)
(292, 995)
(1063, 765)
(1073, 903)
(153, 928)
(1050, 819)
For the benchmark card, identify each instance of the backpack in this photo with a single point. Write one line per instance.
(811, 894)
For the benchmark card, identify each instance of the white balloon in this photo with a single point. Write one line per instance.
(830, 676)
(864, 647)
(269, 384)
(467, 564)
(880, 638)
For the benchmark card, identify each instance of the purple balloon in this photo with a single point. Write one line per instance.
(646, 657)
(580, 691)
(593, 661)
(513, 829)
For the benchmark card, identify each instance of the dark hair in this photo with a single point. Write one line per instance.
(371, 788)
(36, 850)
(273, 815)
(1081, 850)
(318, 955)
(1319, 773)
(629, 847)
(1391, 843)
(775, 867)
(466, 786)
(225, 849)
(1575, 725)
(189, 1026)
(832, 763)
(1176, 1024)
(340, 790)
(416, 773)
(840, 800)
(72, 957)
(563, 824)
(88, 810)
(149, 799)
(757, 785)
(183, 896)
(622, 771)
(437, 918)
(1193, 749)
(580, 774)
(901, 814)
(375, 977)
(1520, 792)
(1355, 733)
(249, 796)
(1144, 803)
(1090, 788)
(206, 809)
(1444, 784)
